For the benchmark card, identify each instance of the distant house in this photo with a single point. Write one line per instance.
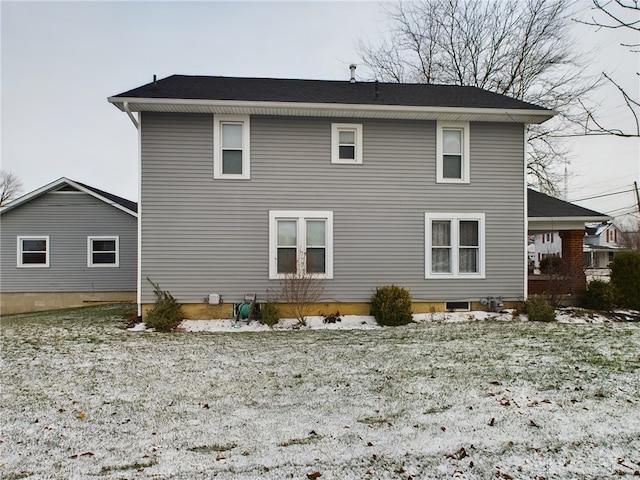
(558, 228)
(368, 183)
(601, 243)
(67, 244)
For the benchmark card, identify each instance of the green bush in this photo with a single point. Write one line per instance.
(166, 313)
(550, 264)
(598, 296)
(539, 309)
(625, 279)
(391, 305)
(269, 314)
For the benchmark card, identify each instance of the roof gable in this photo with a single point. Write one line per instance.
(64, 184)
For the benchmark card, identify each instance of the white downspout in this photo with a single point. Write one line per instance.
(125, 105)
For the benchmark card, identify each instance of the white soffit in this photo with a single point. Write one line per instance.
(396, 112)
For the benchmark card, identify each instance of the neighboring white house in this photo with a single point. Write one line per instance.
(544, 245)
(601, 243)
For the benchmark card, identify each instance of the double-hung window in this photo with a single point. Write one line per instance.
(231, 141)
(454, 245)
(346, 143)
(300, 243)
(33, 251)
(452, 152)
(103, 251)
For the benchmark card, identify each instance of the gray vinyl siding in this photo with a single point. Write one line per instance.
(203, 236)
(68, 219)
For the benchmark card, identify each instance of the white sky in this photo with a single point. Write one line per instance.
(60, 62)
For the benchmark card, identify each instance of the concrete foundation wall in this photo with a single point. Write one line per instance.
(35, 302)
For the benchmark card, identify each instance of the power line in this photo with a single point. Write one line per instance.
(602, 195)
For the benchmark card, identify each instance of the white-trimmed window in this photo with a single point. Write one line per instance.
(452, 152)
(103, 251)
(33, 251)
(300, 243)
(231, 140)
(346, 143)
(455, 245)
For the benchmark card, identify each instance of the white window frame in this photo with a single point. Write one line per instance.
(21, 251)
(335, 143)
(218, 121)
(455, 219)
(90, 251)
(465, 167)
(301, 216)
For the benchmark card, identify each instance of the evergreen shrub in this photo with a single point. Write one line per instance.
(539, 309)
(166, 313)
(625, 279)
(391, 306)
(269, 314)
(598, 296)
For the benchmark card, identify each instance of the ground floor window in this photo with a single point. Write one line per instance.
(300, 243)
(103, 251)
(454, 245)
(33, 251)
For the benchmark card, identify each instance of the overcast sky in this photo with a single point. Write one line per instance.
(61, 60)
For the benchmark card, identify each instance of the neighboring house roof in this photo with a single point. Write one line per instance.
(118, 202)
(183, 93)
(597, 229)
(550, 213)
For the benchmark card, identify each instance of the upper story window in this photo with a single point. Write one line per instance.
(300, 243)
(231, 141)
(33, 251)
(103, 251)
(455, 245)
(452, 152)
(346, 143)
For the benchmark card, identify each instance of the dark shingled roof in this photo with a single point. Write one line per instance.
(123, 202)
(324, 91)
(541, 205)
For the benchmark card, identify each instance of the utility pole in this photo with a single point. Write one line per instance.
(635, 186)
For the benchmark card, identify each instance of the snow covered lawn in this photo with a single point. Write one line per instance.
(83, 398)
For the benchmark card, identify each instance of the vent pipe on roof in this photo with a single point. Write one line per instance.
(352, 67)
(155, 82)
(377, 89)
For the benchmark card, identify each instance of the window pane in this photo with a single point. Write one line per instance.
(231, 135)
(104, 245)
(232, 161)
(347, 137)
(452, 141)
(287, 260)
(468, 233)
(34, 258)
(441, 233)
(34, 245)
(441, 260)
(315, 233)
(469, 260)
(104, 258)
(452, 166)
(347, 152)
(315, 260)
(287, 233)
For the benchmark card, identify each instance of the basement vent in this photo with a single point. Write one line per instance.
(458, 306)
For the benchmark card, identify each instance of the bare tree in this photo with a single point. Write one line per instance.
(616, 15)
(10, 187)
(517, 48)
(300, 288)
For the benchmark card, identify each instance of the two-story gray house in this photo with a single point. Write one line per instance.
(371, 183)
(67, 244)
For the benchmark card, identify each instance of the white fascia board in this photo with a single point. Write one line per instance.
(414, 112)
(548, 224)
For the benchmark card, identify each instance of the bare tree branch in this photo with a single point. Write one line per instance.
(10, 187)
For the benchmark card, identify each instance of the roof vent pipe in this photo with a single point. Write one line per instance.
(352, 67)
(155, 82)
(377, 89)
